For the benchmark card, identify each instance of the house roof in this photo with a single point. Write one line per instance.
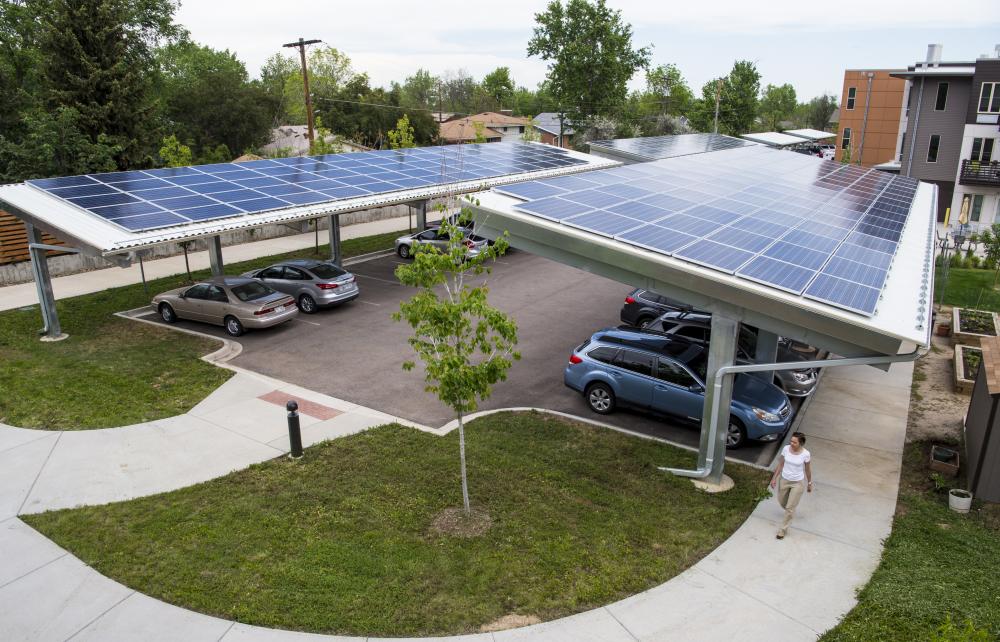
(492, 118)
(465, 129)
(548, 121)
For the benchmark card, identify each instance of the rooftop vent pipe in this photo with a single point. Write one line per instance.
(933, 55)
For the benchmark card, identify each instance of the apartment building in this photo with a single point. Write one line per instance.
(871, 116)
(950, 135)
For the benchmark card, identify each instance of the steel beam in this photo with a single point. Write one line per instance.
(215, 255)
(333, 224)
(718, 397)
(766, 352)
(43, 284)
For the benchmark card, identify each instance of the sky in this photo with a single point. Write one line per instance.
(806, 43)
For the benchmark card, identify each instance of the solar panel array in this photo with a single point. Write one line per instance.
(156, 198)
(660, 147)
(815, 228)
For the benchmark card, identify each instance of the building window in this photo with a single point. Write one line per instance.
(520, 129)
(982, 149)
(989, 98)
(846, 144)
(977, 208)
(932, 148)
(852, 94)
(942, 97)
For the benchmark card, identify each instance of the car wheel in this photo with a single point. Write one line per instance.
(233, 326)
(645, 322)
(167, 313)
(736, 434)
(403, 251)
(600, 398)
(307, 304)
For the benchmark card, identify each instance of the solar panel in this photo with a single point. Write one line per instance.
(150, 199)
(660, 147)
(815, 228)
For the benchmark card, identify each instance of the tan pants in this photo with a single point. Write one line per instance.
(789, 494)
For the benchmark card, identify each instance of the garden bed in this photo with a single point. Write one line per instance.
(967, 360)
(968, 326)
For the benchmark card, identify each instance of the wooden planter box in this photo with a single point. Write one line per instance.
(970, 338)
(962, 384)
(949, 468)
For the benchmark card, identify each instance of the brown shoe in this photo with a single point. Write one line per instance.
(780, 536)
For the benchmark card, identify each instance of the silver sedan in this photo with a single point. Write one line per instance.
(314, 284)
(406, 245)
(235, 303)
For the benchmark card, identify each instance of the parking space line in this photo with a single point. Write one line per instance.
(377, 305)
(309, 322)
(375, 278)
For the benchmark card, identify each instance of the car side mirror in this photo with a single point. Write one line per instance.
(694, 387)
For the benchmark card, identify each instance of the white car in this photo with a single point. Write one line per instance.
(828, 152)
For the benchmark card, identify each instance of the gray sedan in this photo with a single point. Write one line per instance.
(235, 303)
(406, 245)
(314, 284)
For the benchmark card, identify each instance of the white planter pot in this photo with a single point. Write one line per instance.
(959, 500)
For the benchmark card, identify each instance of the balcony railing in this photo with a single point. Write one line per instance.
(979, 173)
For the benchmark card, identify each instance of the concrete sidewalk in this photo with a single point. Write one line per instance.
(753, 587)
(24, 294)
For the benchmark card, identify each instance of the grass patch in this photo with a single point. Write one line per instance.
(342, 540)
(936, 564)
(112, 371)
(967, 289)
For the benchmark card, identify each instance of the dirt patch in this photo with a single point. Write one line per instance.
(509, 621)
(454, 522)
(936, 410)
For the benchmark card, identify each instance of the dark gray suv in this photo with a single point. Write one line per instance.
(697, 326)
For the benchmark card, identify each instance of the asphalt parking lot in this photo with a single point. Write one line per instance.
(355, 351)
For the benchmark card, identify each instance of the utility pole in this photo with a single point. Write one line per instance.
(301, 46)
(718, 95)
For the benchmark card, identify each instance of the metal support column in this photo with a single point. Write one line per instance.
(767, 352)
(215, 255)
(333, 223)
(43, 283)
(718, 395)
(421, 215)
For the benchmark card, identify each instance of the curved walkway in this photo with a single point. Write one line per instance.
(752, 587)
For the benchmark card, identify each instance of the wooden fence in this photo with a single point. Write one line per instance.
(14, 240)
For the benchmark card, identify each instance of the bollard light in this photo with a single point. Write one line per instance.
(294, 432)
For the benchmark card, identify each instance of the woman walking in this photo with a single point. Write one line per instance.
(792, 476)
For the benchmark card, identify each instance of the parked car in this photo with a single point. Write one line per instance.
(405, 245)
(697, 326)
(666, 375)
(828, 152)
(234, 302)
(642, 306)
(313, 284)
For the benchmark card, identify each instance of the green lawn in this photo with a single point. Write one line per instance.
(112, 371)
(967, 289)
(340, 541)
(936, 564)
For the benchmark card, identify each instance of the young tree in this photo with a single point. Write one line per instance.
(777, 104)
(480, 129)
(402, 136)
(465, 344)
(420, 90)
(820, 110)
(175, 154)
(990, 238)
(667, 89)
(738, 108)
(590, 55)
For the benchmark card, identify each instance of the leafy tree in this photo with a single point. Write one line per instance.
(666, 86)
(402, 136)
(20, 64)
(702, 114)
(273, 77)
(420, 90)
(531, 133)
(218, 154)
(209, 100)
(480, 129)
(458, 90)
(738, 109)
(330, 71)
(98, 61)
(990, 238)
(465, 344)
(54, 144)
(777, 104)
(820, 110)
(499, 86)
(325, 142)
(175, 154)
(590, 55)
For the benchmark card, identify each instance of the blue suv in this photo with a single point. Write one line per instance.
(625, 366)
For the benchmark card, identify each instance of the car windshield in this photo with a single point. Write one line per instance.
(251, 291)
(327, 271)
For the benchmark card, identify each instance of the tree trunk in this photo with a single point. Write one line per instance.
(461, 451)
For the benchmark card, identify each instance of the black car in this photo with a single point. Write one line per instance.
(642, 306)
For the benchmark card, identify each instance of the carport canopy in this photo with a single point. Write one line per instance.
(810, 134)
(897, 325)
(775, 139)
(453, 172)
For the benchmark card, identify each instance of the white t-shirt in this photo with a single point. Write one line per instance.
(795, 463)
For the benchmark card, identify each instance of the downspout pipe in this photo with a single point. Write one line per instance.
(916, 125)
(706, 470)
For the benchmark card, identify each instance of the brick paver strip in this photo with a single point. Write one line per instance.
(306, 407)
